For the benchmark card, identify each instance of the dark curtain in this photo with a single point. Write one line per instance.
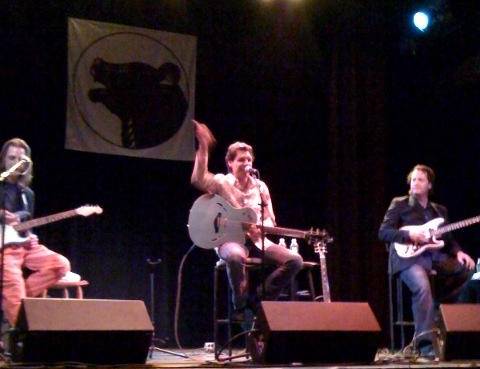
(356, 165)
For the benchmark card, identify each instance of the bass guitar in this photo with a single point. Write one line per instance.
(432, 232)
(213, 221)
(12, 236)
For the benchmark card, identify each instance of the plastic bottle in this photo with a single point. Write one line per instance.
(478, 265)
(281, 242)
(294, 245)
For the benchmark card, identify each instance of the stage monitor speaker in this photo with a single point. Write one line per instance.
(460, 324)
(314, 332)
(86, 331)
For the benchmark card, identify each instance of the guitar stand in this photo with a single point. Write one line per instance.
(152, 265)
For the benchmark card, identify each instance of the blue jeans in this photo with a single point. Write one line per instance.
(452, 278)
(234, 254)
(417, 281)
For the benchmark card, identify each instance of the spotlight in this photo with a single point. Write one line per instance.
(421, 20)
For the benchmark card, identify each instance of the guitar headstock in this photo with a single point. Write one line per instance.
(88, 210)
(319, 238)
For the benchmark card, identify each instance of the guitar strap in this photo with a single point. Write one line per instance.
(24, 200)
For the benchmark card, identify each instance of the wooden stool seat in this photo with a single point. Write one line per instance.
(309, 264)
(65, 285)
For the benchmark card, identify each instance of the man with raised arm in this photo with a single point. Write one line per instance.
(241, 189)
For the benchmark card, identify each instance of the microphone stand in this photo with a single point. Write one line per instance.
(256, 176)
(152, 264)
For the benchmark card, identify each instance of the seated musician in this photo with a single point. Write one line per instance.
(47, 266)
(452, 265)
(241, 189)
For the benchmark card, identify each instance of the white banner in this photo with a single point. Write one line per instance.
(131, 91)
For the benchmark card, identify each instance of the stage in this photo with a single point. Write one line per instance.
(199, 358)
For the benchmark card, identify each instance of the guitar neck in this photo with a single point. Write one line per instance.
(457, 225)
(325, 283)
(44, 220)
(287, 232)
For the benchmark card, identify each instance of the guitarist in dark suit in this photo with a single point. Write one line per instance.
(240, 189)
(452, 265)
(18, 202)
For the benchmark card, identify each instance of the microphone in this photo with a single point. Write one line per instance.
(252, 171)
(23, 160)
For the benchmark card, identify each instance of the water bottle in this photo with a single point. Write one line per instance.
(294, 245)
(478, 265)
(281, 242)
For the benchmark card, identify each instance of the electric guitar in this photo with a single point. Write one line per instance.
(431, 231)
(213, 221)
(12, 236)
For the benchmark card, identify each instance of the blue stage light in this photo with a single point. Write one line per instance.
(421, 20)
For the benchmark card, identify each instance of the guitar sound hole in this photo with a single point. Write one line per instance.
(216, 221)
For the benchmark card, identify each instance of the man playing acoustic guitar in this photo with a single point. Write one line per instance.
(452, 265)
(241, 189)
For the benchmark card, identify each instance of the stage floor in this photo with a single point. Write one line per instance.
(199, 358)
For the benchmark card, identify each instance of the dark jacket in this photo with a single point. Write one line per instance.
(24, 209)
(406, 210)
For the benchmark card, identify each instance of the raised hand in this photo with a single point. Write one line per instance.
(204, 136)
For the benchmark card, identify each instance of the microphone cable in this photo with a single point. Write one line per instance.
(178, 297)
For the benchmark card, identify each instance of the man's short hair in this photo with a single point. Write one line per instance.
(425, 169)
(234, 148)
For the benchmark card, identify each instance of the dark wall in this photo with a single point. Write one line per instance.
(337, 107)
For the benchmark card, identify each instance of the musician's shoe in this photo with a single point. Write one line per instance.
(427, 354)
(5, 341)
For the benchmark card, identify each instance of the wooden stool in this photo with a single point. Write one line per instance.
(65, 285)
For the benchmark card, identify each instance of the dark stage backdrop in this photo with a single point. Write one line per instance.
(340, 101)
